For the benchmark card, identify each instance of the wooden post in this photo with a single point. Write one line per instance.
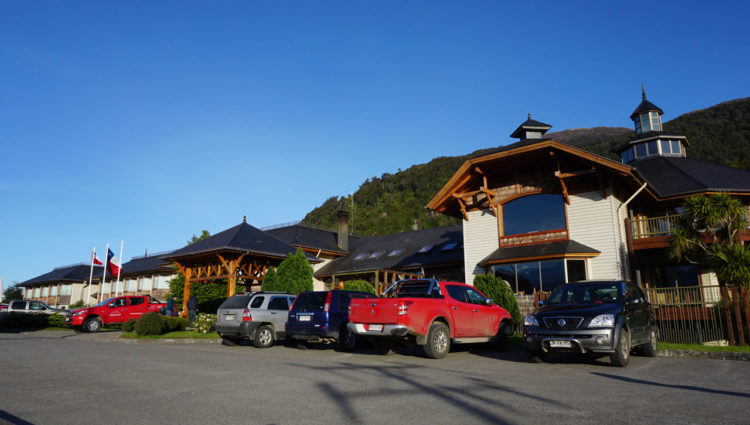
(738, 316)
(727, 313)
(187, 272)
(746, 297)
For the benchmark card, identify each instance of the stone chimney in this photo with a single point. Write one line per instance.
(343, 230)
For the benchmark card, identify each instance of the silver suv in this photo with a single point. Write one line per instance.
(257, 316)
(32, 306)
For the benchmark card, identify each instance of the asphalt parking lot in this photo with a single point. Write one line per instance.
(56, 377)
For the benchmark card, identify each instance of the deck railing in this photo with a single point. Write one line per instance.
(688, 315)
(653, 226)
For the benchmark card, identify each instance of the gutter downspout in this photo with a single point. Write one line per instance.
(622, 223)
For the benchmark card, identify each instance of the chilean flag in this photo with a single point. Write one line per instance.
(113, 264)
(95, 259)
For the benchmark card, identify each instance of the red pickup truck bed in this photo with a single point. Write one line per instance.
(432, 314)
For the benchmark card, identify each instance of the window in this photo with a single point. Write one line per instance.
(361, 256)
(65, 289)
(18, 305)
(449, 246)
(655, 121)
(36, 306)
(235, 301)
(532, 276)
(640, 150)
(653, 149)
(130, 285)
(456, 292)
(665, 147)
(45, 291)
(676, 147)
(638, 126)
(106, 288)
(162, 282)
(278, 303)
(36, 292)
(136, 300)
(683, 276)
(396, 252)
(627, 156)
(535, 213)
(257, 302)
(645, 123)
(120, 302)
(576, 270)
(424, 249)
(53, 291)
(475, 297)
(376, 254)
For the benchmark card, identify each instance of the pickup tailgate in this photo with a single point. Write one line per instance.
(374, 310)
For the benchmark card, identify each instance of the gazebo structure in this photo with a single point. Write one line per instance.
(241, 252)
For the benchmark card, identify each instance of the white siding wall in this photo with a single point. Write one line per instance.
(319, 285)
(593, 221)
(481, 239)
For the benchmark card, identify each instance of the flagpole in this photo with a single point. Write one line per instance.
(119, 270)
(104, 274)
(91, 275)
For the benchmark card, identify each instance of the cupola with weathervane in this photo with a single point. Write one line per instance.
(530, 129)
(650, 140)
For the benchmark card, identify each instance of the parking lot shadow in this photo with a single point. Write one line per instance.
(679, 387)
(12, 419)
(470, 395)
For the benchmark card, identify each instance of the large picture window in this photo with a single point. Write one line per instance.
(531, 276)
(535, 213)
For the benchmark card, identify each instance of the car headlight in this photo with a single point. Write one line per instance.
(530, 321)
(602, 321)
(75, 313)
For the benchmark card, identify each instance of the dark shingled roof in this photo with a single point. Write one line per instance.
(550, 249)
(153, 263)
(410, 242)
(75, 273)
(645, 106)
(241, 238)
(310, 237)
(674, 176)
(530, 124)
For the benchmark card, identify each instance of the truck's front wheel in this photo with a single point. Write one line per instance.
(438, 341)
(92, 324)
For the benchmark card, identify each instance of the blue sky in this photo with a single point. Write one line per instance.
(150, 121)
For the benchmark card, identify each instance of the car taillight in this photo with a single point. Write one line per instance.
(327, 305)
(403, 307)
(295, 300)
(246, 317)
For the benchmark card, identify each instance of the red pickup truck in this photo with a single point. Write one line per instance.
(431, 314)
(112, 311)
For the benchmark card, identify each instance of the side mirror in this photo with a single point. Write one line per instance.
(111, 305)
(488, 301)
(541, 302)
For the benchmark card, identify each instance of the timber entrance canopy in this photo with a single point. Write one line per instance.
(241, 252)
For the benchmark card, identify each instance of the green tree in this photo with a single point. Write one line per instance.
(294, 274)
(359, 285)
(269, 280)
(708, 233)
(13, 292)
(494, 287)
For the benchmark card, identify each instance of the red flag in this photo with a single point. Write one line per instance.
(95, 259)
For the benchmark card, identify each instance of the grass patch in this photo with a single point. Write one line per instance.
(515, 341)
(698, 347)
(173, 335)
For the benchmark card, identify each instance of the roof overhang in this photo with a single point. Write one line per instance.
(542, 251)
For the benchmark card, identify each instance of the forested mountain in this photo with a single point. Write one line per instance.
(396, 202)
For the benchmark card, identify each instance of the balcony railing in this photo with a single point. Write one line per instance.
(653, 226)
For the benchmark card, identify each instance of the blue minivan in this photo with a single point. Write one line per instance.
(321, 316)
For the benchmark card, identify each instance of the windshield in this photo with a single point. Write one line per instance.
(582, 293)
(105, 302)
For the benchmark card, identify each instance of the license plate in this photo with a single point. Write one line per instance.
(559, 344)
(376, 328)
(303, 318)
(229, 317)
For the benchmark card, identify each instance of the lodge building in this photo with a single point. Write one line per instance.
(538, 213)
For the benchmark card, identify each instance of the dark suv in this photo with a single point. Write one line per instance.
(592, 317)
(322, 317)
(259, 317)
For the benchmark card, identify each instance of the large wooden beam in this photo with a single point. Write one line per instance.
(186, 292)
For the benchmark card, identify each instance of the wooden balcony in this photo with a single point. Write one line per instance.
(653, 232)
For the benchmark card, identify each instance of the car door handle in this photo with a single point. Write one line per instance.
(454, 308)
(273, 312)
(475, 310)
